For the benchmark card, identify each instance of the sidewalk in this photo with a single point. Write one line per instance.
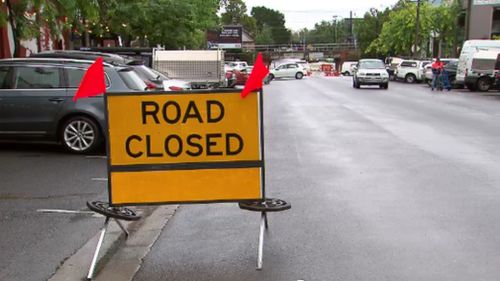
(120, 257)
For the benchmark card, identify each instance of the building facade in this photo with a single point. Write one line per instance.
(483, 19)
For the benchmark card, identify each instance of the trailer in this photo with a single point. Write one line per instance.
(203, 68)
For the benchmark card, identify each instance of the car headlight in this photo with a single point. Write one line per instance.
(385, 75)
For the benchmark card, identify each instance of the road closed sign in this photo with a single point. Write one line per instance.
(196, 147)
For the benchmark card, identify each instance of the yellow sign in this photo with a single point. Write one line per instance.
(183, 147)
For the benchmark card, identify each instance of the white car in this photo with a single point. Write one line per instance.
(288, 70)
(172, 84)
(370, 72)
(347, 68)
(411, 71)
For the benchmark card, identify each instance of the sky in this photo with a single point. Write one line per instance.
(305, 13)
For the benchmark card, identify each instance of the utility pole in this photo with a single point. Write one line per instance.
(335, 29)
(415, 51)
(467, 19)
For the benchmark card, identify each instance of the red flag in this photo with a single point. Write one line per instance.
(258, 74)
(92, 83)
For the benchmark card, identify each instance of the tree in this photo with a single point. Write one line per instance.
(444, 24)
(398, 32)
(274, 20)
(369, 28)
(236, 13)
(264, 36)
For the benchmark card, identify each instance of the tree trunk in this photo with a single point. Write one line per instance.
(17, 42)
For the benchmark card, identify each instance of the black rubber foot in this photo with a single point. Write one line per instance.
(120, 213)
(267, 205)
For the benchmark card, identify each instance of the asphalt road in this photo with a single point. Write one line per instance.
(397, 185)
(34, 177)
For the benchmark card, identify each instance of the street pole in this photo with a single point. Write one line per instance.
(415, 51)
(335, 29)
(467, 19)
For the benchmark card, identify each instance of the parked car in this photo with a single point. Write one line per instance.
(450, 65)
(240, 77)
(153, 79)
(238, 65)
(465, 61)
(36, 101)
(288, 70)
(481, 77)
(370, 72)
(411, 71)
(347, 68)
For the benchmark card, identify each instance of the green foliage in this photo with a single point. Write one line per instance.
(236, 13)
(275, 21)
(397, 35)
(264, 36)
(368, 29)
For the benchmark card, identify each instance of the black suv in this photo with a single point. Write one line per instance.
(36, 101)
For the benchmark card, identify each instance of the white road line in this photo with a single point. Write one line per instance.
(60, 211)
(100, 179)
(96, 157)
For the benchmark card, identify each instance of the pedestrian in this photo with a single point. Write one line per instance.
(437, 68)
(445, 79)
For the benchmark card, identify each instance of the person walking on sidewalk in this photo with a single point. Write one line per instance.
(437, 68)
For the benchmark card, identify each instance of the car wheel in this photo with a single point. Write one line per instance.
(271, 77)
(299, 75)
(410, 78)
(484, 84)
(384, 86)
(429, 82)
(471, 86)
(80, 134)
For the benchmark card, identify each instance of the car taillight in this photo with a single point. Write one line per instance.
(150, 85)
(175, 88)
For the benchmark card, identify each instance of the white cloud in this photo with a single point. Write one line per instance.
(305, 13)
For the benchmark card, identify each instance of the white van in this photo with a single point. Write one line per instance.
(347, 67)
(465, 61)
(482, 72)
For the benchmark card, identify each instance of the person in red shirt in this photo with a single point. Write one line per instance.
(437, 68)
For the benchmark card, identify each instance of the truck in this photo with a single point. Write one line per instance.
(204, 69)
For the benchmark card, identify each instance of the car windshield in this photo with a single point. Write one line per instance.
(372, 64)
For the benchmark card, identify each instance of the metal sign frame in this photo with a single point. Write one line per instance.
(188, 166)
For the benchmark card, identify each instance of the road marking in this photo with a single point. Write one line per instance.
(100, 179)
(60, 211)
(96, 157)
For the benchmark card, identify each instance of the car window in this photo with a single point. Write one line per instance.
(132, 80)
(409, 64)
(293, 66)
(37, 77)
(75, 76)
(145, 72)
(374, 64)
(281, 67)
(5, 77)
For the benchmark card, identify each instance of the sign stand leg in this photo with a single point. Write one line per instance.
(122, 227)
(90, 275)
(264, 206)
(263, 226)
(110, 212)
